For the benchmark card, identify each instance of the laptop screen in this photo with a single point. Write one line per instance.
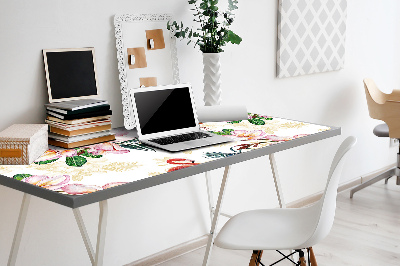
(164, 110)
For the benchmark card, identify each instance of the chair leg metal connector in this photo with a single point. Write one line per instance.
(257, 254)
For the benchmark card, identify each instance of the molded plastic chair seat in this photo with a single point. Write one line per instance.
(269, 229)
(381, 130)
(272, 229)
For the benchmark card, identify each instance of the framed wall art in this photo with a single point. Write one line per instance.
(146, 53)
(311, 36)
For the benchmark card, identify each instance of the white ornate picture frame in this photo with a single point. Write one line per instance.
(130, 32)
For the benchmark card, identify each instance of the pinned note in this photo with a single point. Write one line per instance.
(137, 58)
(155, 39)
(148, 82)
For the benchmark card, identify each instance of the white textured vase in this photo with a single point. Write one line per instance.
(212, 75)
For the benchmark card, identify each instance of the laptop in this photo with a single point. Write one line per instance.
(166, 118)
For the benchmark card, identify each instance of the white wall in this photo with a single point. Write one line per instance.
(148, 221)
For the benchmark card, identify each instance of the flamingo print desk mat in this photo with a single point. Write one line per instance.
(96, 167)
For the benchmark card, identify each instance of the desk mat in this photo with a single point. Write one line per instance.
(100, 166)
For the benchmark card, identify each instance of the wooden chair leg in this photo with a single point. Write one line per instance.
(313, 260)
(302, 259)
(255, 257)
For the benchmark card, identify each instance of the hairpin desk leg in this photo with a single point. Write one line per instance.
(84, 234)
(101, 233)
(278, 187)
(210, 194)
(19, 230)
(95, 258)
(277, 182)
(215, 217)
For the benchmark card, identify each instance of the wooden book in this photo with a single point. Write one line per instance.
(81, 143)
(78, 121)
(79, 131)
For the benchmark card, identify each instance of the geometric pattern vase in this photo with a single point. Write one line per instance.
(212, 75)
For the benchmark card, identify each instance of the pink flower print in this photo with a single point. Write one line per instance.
(113, 184)
(249, 135)
(121, 133)
(107, 147)
(276, 138)
(52, 183)
(79, 189)
(49, 155)
(299, 136)
(69, 153)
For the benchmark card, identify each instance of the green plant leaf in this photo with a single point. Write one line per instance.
(76, 161)
(232, 5)
(214, 8)
(204, 5)
(234, 38)
(19, 177)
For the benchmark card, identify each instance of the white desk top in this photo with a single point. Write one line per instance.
(81, 176)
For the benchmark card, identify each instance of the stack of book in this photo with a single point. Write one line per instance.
(79, 123)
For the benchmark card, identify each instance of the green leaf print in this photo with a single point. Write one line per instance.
(216, 155)
(223, 132)
(46, 162)
(135, 144)
(76, 161)
(19, 177)
(235, 122)
(257, 121)
(89, 155)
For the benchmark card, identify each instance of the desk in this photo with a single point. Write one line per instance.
(82, 176)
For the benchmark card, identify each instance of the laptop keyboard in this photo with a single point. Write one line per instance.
(180, 138)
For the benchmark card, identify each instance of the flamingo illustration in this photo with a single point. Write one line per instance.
(182, 163)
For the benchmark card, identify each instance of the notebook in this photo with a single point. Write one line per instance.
(166, 118)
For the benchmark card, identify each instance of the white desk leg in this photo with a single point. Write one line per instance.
(277, 182)
(210, 195)
(95, 258)
(215, 217)
(101, 233)
(278, 187)
(85, 236)
(19, 230)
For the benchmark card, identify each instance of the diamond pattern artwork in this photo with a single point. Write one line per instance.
(311, 36)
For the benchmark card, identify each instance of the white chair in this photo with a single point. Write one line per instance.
(287, 229)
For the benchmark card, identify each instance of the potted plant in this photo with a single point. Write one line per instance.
(212, 35)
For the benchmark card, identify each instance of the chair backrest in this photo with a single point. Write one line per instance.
(327, 203)
(385, 107)
(376, 99)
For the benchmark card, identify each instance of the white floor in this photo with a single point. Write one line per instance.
(366, 232)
